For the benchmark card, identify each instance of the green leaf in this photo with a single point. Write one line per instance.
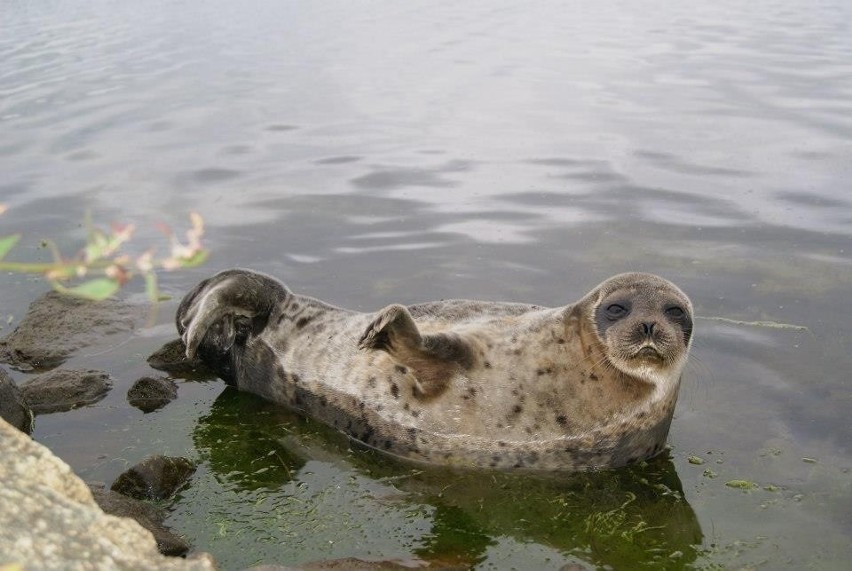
(97, 289)
(7, 244)
(151, 287)
(195, 260)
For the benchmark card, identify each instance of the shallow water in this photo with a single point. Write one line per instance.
(403, 152)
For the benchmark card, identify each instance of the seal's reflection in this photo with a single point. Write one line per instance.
(623, 518)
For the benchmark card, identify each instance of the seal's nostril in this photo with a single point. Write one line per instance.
(648, 328)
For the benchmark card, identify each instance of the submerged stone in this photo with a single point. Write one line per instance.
(57, 325)
(152, 393)
(13, 407)
(65, 389)
(155, 478)
(148, 516)
(172, 359)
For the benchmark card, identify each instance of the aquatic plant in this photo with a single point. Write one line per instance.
(100, 268)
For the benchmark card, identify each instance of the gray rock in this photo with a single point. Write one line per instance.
(147, 515)
(152, 393)
(65, 389)
(51, 521)
(172, 359)
(13, 407)
(57, 325)
(155, 478)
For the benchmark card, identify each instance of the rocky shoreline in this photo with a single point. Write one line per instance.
(52, 519)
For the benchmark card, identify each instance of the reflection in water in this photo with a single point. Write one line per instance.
(622, 518)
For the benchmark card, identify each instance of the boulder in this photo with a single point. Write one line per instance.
(13, 407)
(155, 478)
(152, 393)
(65, 389)
(57, 325)
(51, 521)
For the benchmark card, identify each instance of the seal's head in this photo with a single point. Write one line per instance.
(645, 323)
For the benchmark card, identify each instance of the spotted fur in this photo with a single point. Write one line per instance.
(465, 383)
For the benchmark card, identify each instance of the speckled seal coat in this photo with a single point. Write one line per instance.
(464, 383)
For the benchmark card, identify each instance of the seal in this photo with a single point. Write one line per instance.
(466, 383)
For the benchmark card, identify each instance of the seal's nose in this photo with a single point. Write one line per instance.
(648, 329)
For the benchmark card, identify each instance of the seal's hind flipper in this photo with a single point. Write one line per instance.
(225, 309)
(432, 358)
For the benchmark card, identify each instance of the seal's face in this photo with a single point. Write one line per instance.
(645, 323)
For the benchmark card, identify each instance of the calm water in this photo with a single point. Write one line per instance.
(409, 151)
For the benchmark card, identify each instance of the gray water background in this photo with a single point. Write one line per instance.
(369, 153)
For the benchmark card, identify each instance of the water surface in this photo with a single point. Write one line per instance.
(404, 152)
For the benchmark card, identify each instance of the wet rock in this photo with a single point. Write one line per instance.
(155, 478)
(148, 516)
(172, 359)
(152, 393)
(51, 521)
(13, 407)
(57, 325)
(65, 389)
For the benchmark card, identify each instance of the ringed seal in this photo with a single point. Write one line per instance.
(467, 383)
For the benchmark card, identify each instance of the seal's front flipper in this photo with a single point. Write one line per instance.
(432, 358)
(392, 328)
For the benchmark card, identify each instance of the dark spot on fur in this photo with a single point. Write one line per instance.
(406, 406)
(518, 464)
(323, 401)
(395, 390)
(501, 444)
(486, 364)
(371, 382)
(388, 444)
(412, 433)
(562, 419)
(593, 376)
(560, 341)
(517, 409)
(401, 369)
(361, 405)
(294, 306)
(296, 378)
(302, 321)
(516, 352)
(415, 413)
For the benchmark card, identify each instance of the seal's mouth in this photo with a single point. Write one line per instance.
(649, 353)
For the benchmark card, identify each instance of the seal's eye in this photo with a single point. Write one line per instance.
(675, 312)
(615, 311)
